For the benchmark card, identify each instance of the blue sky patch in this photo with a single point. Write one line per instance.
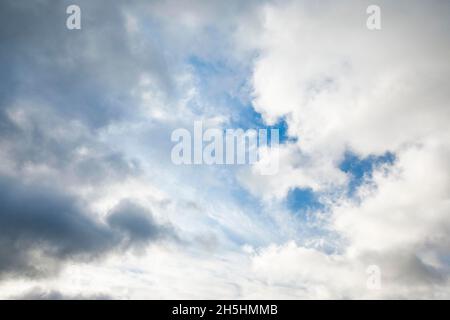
(302, 200)
(361, 168)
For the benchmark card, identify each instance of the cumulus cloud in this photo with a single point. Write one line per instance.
(343, 88)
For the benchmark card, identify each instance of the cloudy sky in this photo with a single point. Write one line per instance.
(91, 205)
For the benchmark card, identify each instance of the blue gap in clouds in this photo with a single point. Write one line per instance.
(242, 113)
(248, 118)
(205, 69)
(361, 168)
(302, 200)
(209, 73)
(303, 204)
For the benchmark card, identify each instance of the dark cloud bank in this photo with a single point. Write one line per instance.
(43, 294)
(43, 64)
(41, 228)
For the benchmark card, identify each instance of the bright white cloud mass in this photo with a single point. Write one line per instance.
(91, 205)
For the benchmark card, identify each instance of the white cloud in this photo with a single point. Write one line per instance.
(342, 87)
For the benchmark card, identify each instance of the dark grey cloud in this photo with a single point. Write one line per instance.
(66, 86)
(41, 228)
(43, 294)
(85, 74)
(135, 223)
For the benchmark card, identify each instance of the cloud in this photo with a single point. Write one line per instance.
(343, 88)
(81, 130)
(85, 171)
(136, 223)
(41, 228)
(47, 62)
(38, 293)
(348, 88)
(306, 273)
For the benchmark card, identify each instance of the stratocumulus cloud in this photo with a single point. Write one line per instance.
(42, 227)
(89, 194)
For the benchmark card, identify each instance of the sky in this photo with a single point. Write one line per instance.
(93, 207)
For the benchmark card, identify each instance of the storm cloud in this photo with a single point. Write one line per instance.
(52, 108)
(40, 228)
